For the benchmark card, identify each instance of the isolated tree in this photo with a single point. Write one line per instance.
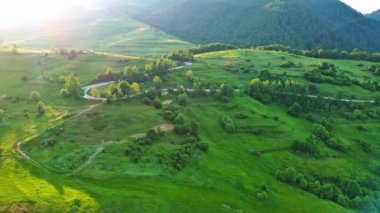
(189, 75)
(226, 90)
(41, 108)
(157, 82)
(151, 93)
(94, 92)
(136, 88)
(35, 96)
(183, 99)
(114, 91)
(72, 86)
(124, 87)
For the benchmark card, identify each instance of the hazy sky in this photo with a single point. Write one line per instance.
(13, 12)
(363, 6)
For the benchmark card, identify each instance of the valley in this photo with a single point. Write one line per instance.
(114, 113)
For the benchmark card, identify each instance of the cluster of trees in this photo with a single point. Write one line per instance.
(72, 87)
(321, 133)
(328, 54)
(121, 90)
(181, 56)
(288, 64)
(328, 73)
(246, 69)
(228, 124)
(108, 75)
(36, 98)
(345, 192)
(301, 99)
(214, 47)
(158, 67)
(71, 55)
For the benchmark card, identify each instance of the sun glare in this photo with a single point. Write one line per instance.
(16, 12)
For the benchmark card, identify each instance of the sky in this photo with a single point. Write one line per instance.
(14, 12)
(363, 6)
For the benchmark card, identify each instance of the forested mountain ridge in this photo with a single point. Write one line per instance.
(375, 15)
(296, 23)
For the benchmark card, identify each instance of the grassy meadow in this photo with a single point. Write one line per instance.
(225, 179)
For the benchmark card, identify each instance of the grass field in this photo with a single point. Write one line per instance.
(102, 33)
(225, 179)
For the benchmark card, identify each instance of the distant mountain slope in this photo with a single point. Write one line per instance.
(109, 30)
(296, 23)
(375, 15)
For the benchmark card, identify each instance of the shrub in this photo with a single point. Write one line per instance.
(169, 115)
(203, 147)
(333, 143)
(295, 110)
(41, 108)
(358, 114)
(180, 119)
(183, 99)
(152, 134)
(35, 96)
(309, 147)
(321, 132)
(1, 113)
(180, 158)
(146, 101)
(263, 195)
(157, 103)
(152, 93)
(228, 124)
(287, 64)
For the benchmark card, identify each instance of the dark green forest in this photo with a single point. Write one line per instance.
(305, 24)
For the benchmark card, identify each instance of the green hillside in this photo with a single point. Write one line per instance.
(231, 150)
(109, 30)
(296, 23)
(375, 15)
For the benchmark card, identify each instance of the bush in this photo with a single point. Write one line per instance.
(41, 108)
(152, 134)
(180, 158)
(333, 143)
(152, 93)
(321, 132)
(157, 103)
(287, 64)
(310, 147)
(183, 99)
(169, 115)
(35, 96)
(146, 101)
(180, 119)
(203, 147)
(228, 124)
(1, 113)
(358, 114)
(263, 195)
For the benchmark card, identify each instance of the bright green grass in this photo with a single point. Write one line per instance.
(210, 67)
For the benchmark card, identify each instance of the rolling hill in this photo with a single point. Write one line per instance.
(375, 15)
(297, 23)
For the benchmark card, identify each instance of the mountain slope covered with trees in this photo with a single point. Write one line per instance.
(375, 15)
(297, 23)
